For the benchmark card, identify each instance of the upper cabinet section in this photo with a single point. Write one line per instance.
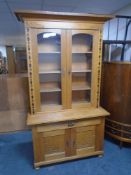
(64, 59)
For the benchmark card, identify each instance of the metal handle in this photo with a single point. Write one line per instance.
(71, 123)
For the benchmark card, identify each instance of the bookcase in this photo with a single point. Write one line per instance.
(64, 69)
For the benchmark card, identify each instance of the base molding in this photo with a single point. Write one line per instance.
(38, 164)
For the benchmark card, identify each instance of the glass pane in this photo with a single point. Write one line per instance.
(81, 67)
(113, 52)
(49, 58)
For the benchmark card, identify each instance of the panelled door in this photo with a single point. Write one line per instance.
(81, 64)
(54, 144)
(85, 140)
(49, 67)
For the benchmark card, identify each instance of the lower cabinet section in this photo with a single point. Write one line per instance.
(67, 140)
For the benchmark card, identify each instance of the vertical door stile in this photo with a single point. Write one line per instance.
(67, 142)
(64, 68)
(69, 69)
(95, 68)
(73, 141)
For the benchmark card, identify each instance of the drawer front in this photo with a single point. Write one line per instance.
(68, 124)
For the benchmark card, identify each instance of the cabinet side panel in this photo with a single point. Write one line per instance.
(100, 135)
(99, 67)
(30, 70)
(36, 145)
(96, 75)
(35, 68)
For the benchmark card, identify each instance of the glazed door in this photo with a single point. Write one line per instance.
(48, 48)
(65, 68)
(82, 60)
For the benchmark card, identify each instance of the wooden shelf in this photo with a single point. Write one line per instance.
(81, 102)
(89, 52)
(49, 53)
(58, 71)
(81, 97)
(49, 87)
(50, 107)
(79, 88)
(50, 72)
(77, 71)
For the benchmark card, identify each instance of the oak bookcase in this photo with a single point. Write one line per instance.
(64, 68)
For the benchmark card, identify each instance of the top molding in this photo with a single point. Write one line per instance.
(25, 14)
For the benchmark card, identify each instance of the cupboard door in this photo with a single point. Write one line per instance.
(50, 72)
(53, 145)
(85, 140)
(82, 64)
